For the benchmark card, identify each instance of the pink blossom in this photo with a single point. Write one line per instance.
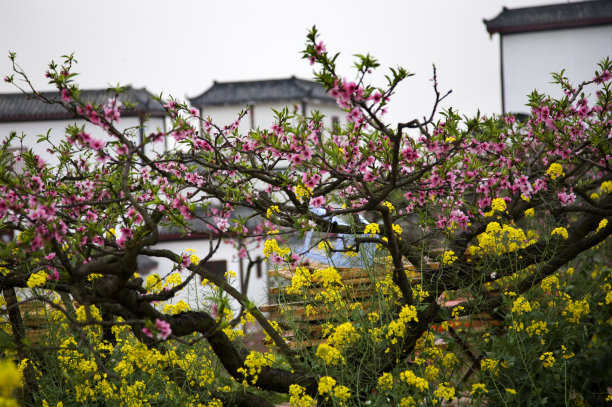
(3, 208)
(94, 118)
(565, 198)
(147, 332)
(320, 48)
(311, 181)
(296, 159)
(122, 150)
(242, 253)
(97, 144)
(66, 95)
(112, 111)
(376, 97)
(276, 258)
(335, 91)
(278, 130)
(603, 77)
(157, 137)
(317, 202)
(354, 115)
(368, 176)
(185, 260)
(164, 329)
(223, 225)
(126, 234)
(54, 275)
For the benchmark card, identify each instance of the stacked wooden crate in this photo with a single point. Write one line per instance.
(305, 329)
(35, 316)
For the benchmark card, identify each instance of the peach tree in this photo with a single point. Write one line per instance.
(470, 217)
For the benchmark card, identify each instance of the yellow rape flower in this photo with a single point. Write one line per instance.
(344, 335)
(253, 364)
(407, 402)
(329, 354)
(326, 384)
(413, 380)
(271, 246)
(192, 256)
(478, 388)
(386, 381)
(372, 229)
(37, 279)
(342, 392)
(389, 206)
(299, 398)
(602, 224)
(561, 231)
(272, 210)
(555, 171)
(301, 192)
(529, 212)
(449, 257)
(549, 283)
(431, 373)
(10, 379)
(548, 359)
(408, 313)
(397, 229)
(498, 205)
(521, 305)
(575, 309)
(445, 391)
(325, 246)
(606, 187)
(565, 354)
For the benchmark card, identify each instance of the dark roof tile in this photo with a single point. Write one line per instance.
(21, 107)
(550, 17)
(273, 90)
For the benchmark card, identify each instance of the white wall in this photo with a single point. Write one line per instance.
(32, 129)
(529, 59)
(194, 294)
(264, 115)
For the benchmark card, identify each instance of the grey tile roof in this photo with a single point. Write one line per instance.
(20, 107)
(550, 17)
(273, 90)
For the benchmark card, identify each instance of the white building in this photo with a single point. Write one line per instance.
(224, 100)
(32, 117)
(536, 41)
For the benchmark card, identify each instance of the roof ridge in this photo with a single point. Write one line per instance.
(261, 90)
(551, 17)
(215, 82)
(24, 106)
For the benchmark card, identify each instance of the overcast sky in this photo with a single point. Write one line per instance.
(180, 47)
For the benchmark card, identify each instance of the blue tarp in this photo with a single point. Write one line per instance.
(309, 250)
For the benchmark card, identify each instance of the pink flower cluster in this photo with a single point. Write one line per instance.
(163, 330)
